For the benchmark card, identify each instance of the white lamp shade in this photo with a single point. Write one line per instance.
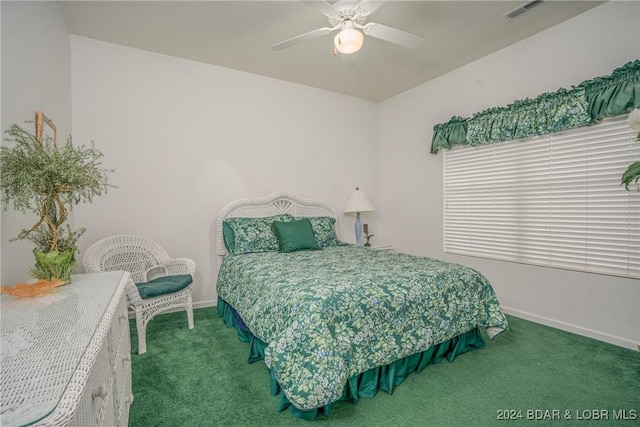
(348, 40)
(634, 119)
(358, 202)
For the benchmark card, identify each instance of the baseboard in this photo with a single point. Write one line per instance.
(579, 330)
(199, 304)
(205, 304)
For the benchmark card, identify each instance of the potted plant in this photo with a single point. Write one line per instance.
(632, 174)
(47, 180)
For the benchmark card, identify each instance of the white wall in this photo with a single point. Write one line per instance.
(36, 75)
(185, 138)
(589, 45)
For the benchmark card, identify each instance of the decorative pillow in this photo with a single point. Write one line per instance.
(295, 235)
(324, 230)
(254, 234)
(228, 237)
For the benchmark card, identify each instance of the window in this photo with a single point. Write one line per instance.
(554, 200)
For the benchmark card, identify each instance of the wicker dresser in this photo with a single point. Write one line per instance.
(66, 355)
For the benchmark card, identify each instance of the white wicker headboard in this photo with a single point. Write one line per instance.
(276, 203)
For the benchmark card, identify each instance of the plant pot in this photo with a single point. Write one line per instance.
(54, 265)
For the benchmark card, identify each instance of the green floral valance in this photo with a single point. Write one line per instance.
(582, 105)
(548, 113)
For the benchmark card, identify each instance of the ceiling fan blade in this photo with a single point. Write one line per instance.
(393, 35)
(306, 36)
(320, 5)
(371, 5)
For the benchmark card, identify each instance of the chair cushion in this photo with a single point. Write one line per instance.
(163, 285)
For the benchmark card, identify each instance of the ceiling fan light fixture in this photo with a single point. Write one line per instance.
(349, 40)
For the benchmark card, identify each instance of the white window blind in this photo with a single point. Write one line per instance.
(554, 200)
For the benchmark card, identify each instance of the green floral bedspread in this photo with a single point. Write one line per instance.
(333, 313)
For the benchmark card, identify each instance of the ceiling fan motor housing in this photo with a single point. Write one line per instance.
(348, 13)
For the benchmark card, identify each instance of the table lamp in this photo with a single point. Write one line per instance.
(358, 202)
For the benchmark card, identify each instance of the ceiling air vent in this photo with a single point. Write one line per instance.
(522, 9)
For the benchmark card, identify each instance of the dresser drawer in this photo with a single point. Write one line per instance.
(121, 365)
(125, 397)
(119, 325)
(107, 416)
(96, 400)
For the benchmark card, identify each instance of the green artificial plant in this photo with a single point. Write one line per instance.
(48, 180)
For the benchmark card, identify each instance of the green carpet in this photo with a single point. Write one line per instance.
(200, 377)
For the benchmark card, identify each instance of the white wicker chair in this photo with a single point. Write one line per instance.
(138, 255)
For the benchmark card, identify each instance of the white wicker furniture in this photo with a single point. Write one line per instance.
(66, 355)
(280, 202)
(139, 255)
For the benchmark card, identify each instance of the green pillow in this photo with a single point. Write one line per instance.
(295, 235)
(228, 237)
(163, 285)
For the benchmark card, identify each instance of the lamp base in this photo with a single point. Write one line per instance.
(358, 227)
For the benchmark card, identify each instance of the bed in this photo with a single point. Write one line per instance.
(333, 321)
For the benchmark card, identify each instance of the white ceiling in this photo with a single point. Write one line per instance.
(238, 35)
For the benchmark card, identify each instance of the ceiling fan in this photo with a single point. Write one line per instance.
(349, 17)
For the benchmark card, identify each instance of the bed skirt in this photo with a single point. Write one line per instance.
(366, 384)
